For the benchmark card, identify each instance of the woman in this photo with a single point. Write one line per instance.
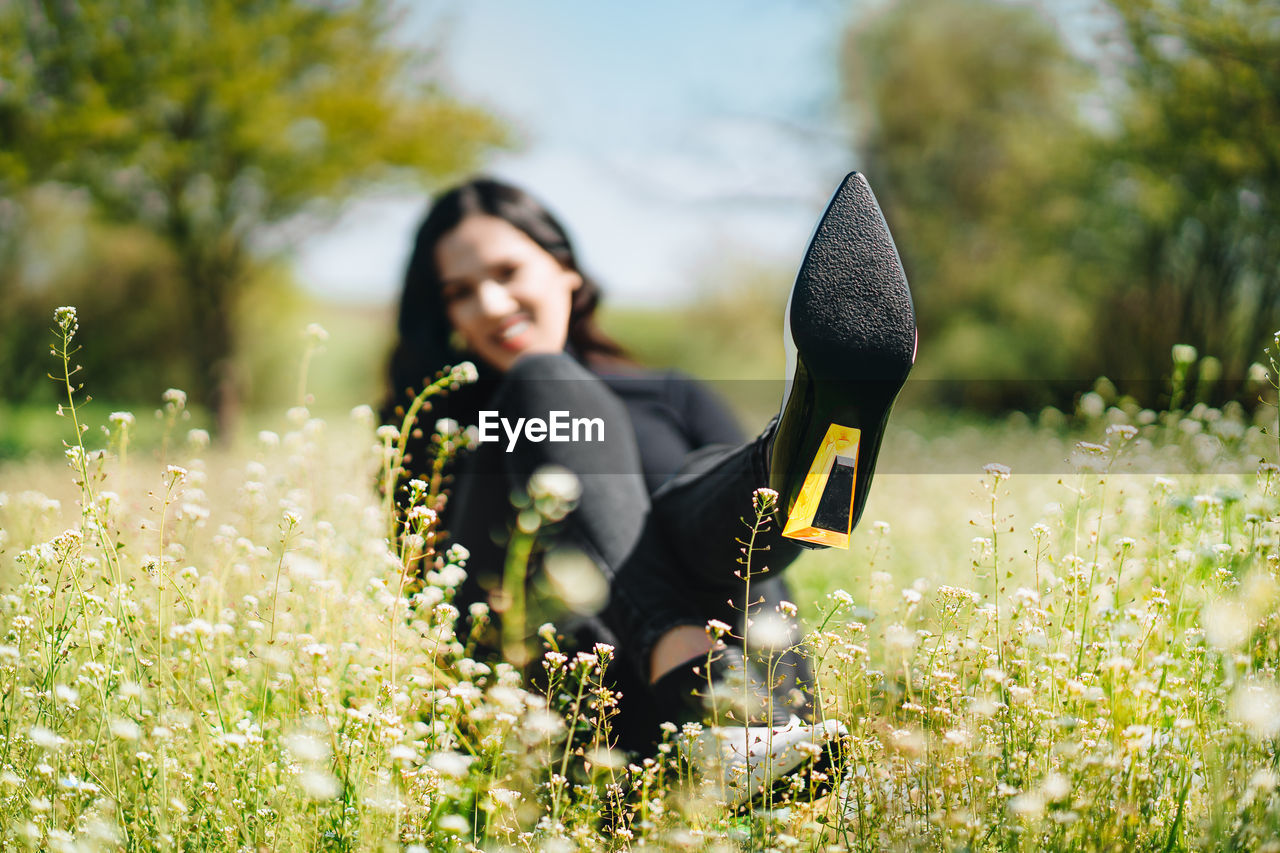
(493, 279)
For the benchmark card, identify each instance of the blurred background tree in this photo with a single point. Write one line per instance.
(967, 114)
(122, 279)
(200, 123)
(1068, 214)
(1182, 242)
(1072, 193)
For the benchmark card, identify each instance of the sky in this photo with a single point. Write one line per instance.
(666, 135)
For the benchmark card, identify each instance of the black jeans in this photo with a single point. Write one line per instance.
(669, 559)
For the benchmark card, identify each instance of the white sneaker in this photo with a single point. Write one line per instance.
(739, 762)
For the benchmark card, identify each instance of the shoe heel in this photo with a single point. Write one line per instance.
(823, 510)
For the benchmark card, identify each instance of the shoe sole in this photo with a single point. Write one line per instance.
(851, 333)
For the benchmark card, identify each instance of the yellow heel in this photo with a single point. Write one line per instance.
(823, 511)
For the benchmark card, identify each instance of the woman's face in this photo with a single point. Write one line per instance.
(502, 291)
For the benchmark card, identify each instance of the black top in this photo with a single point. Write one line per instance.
(671, 413)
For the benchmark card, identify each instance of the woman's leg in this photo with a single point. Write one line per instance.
(613, 504)
(610, 521)
(772, 638)
(708, 508)
(655, 589)
(851, 326)
(693, 545)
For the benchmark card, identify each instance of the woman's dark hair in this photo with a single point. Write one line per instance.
(423, 348)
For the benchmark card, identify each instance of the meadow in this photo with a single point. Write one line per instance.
(1054, 633)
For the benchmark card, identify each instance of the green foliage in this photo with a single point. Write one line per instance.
(222, 648)
(967, 118)
(204, 121)
(127, 284)
(1064, 219)
(1184, 235)
(349, 369)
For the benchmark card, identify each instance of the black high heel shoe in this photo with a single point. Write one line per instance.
(852, 340)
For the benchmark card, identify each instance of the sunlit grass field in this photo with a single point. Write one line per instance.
(1066, 641)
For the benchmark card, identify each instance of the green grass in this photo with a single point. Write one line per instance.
(349, 369)
(215, 650)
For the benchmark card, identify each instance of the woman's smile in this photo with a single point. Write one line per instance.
(504, 293)
(515, 334)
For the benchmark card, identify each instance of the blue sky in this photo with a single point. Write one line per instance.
(664, 134)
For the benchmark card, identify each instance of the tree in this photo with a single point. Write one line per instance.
(206, 120)
(1184, 237)
(123, 280)
(1063, 217)
(968, 125)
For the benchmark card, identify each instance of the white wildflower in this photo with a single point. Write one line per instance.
(124, 729)
(1056, 787)
(1027, 805)
(997, 470)
(319, 785)
(555, 483)
(717, 628)
(464, 372)
(958, 595)
(1125, 431)
(1256, 705)
(454, 823)
(1092, 405)
(770, 630)
(1226, 624)
(453, 764)
(306, 747)
(44, 738)
(764, 499)
(900, 637)
(840, 598)
(65, 317)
